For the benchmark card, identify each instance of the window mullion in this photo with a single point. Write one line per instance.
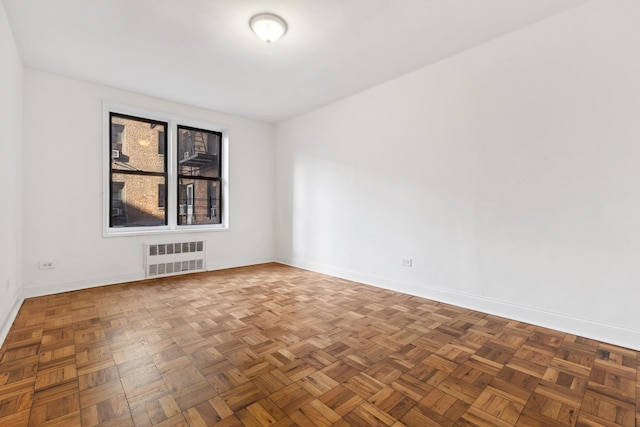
(171, 169)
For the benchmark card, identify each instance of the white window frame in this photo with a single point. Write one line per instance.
(172, 173)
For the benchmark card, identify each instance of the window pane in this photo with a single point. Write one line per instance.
(198, 202)
(135, 200)
(198, 152)
(137, 144)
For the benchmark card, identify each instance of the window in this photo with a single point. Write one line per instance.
(162, 196)
(199, 174)
(161, 147)
(163, 174)
(139, 170)
(117, 203)
(117, 135)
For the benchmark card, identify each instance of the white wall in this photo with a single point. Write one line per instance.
(509, 173)
(63, 201)
(10, 173)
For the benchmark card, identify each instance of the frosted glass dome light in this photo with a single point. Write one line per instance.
(268, 27)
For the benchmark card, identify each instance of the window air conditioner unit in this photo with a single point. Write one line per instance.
(116, 211)
(183, 209)
(115, 154)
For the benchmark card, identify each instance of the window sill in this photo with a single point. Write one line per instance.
(111, 232)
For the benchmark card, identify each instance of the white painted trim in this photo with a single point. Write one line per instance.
(225, 263)
(130, 276)
(613, 334)
(83, 283)
(8, 322)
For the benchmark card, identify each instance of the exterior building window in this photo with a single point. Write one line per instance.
(162, 174)
(117, 136)
(162, 196)
(199, 175)
(117, 203)
(139, 170)
(161, 146)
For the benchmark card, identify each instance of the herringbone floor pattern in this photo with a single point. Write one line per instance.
(272, 345)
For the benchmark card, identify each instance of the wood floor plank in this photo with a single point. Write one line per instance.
(272, 345)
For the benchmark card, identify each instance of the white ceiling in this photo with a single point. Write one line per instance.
(202, 52)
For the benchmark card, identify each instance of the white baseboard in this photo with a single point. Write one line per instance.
(614, 334)
(31, 291)
(600, 331)
(224, 263)
(8, 322)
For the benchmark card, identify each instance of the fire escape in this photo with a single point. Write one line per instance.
(195, 154)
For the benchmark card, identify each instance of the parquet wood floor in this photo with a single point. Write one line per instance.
(272, 345)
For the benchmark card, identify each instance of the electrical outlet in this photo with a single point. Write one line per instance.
(46, 265)
(407, 262)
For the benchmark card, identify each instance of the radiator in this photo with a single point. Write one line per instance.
(168, 259)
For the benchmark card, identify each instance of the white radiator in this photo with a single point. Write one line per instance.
(168, 259)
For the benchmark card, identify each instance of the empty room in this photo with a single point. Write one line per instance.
(320, 213)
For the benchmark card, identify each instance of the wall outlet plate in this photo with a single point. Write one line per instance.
(407, 262)
(46, 265)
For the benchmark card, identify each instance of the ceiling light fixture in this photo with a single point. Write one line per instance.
(268, 27)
